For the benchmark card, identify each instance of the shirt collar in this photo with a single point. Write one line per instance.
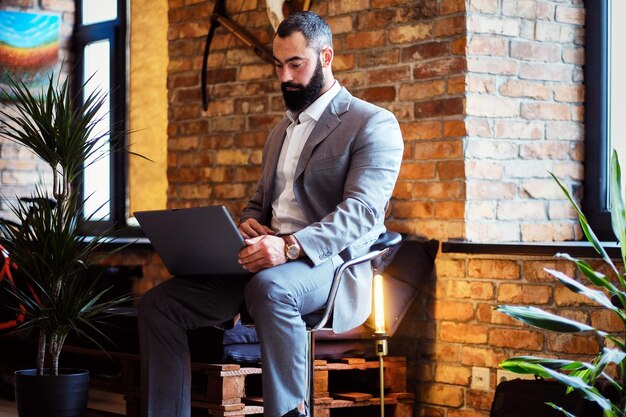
(315, 110)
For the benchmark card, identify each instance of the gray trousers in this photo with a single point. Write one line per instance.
(276, 298)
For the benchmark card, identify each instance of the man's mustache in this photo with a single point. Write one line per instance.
(286, 85)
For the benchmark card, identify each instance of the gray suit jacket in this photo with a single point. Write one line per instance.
(343, 182)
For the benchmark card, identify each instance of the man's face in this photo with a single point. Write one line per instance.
(299, 70)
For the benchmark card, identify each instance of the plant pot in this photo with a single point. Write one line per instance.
(64, 395)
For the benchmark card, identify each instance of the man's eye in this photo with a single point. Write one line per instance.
(296, 65)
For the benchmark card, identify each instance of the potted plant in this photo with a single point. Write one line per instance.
(609, 292)
(48, 243)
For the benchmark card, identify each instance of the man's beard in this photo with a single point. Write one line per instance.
(305, 95)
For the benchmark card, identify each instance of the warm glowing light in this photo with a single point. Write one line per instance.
(379, 304)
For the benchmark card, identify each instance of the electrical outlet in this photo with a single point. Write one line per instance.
(480, 378)
(504, 375)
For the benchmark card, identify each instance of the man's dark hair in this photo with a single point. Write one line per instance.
(316, 31)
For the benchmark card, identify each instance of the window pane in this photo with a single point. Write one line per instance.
(95, 11)
(617, 82)
(97, 187)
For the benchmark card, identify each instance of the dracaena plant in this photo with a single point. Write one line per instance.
(46, 239)
(608, 292)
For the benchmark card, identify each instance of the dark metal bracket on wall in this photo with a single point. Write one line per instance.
(221, 18)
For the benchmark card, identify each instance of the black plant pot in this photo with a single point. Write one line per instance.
(64, 395)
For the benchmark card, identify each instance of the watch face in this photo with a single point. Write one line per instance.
(293, 252)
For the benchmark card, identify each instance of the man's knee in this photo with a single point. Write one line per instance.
(263, 291)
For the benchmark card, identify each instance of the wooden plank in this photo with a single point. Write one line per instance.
(353, 396)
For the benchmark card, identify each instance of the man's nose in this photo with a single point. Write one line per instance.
(285, 75)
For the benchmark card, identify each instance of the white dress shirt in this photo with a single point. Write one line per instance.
(287, 216)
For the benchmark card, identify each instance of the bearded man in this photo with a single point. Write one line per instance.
(329, 169)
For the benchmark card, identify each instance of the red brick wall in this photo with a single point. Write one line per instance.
(407, 57)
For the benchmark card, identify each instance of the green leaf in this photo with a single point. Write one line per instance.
(544, 320)
(594, 295)
(618, 212)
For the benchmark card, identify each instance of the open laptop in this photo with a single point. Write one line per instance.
(194, 241)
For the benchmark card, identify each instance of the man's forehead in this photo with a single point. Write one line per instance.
(294, 43)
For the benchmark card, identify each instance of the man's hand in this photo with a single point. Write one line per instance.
(262, 252)
(252, 228)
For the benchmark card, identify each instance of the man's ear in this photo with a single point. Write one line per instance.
(326, 56)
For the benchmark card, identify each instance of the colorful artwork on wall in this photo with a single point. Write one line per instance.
(29, 47)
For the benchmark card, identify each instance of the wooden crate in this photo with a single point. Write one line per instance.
(343, 388)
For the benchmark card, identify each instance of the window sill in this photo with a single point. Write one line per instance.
(576, 249)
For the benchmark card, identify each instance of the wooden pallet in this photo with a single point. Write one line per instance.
(235, 391)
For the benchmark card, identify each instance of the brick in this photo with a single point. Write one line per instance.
(573, 55)
(447, 268)
(421, 90)
(492, 106)
(440, 107)
(450, 210)
(337, 7)
(607, 321)
(571, 15)
(547, 232)
(452, 374)
(230, 191)
(409, 33)
(535, 51)
(413, 209)
(458, 46)
(421, 130)
(441, 394)
(454, 128)
(253, 72)
(469, 289)
(364, 40)
(484, 6)
(545, 150)
(519, 130)
(496, 66)
(569, 93)
(340, 24)
(480, 84)
(478, 127)
(453, 311)
(439, 190)
(451, 170)
(494, 269)
(418, 170)
(546, 111)
(232, 157)
(452, 6)
(516, 339)
(521, 88)
(573, 344)
(389, 76)
(379, 58)
(456, 85)
(377, 94)
(521, 210)
(424, 51)
(541, 189)
(438, 150)
(486, 314)
(528, 169)
(477, 356)
(463, 333)
(439, 68)
(486, 45)
(481, 210)
(493, 25)
(477, 399)
(344, 62)
(565, 131)
(524, 294)
(545, 72)
(486, 190)
(375, 19)
(449, 26)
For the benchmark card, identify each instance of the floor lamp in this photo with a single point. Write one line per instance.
(380, 335)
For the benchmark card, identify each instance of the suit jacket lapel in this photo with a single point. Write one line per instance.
(324, 127)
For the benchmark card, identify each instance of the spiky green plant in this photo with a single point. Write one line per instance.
(607, 292)
(47, 241)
